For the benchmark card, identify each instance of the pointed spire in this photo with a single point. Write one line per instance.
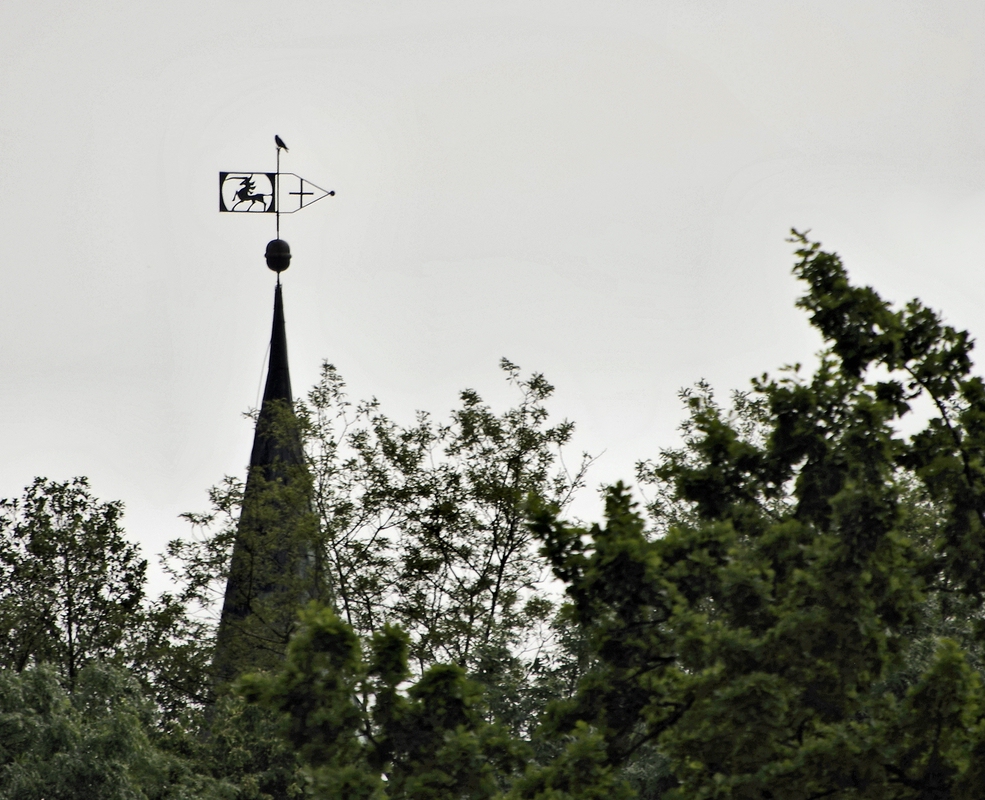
(278, 386)
(270, 573)
(274, 448)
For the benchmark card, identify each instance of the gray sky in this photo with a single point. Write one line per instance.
(599, 191)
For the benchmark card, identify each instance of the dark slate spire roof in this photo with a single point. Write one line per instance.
(270, 451)
(278, 372)
(270, 573)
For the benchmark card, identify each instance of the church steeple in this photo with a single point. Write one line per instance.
(278, 386)
(268, 450)
(271, 571)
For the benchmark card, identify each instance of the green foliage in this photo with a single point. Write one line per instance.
(442, 505)
(582, 770)
(70, 583)
(72, 592)
(422, 527)
(362, 736)
(96, 741)
(170, 650)
(800, 617)
(780, 637)
(241, 747)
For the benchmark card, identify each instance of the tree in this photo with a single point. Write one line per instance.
(425, 525)
(362, 735)
(102, 692)
(421, 526)
(97, 741)
(70, 584)
(72, 593)
(777, 638)
(801, 619)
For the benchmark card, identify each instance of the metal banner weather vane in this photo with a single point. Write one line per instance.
(247, 192)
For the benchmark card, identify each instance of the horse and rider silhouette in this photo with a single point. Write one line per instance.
(245, 194)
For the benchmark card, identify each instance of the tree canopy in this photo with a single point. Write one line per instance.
(794, 613)
(772, 642)
(70, 582)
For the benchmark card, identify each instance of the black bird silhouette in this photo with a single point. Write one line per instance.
(280, 143)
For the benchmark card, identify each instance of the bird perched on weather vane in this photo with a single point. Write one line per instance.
(280, 143)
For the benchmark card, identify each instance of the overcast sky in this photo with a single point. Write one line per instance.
(599, 191)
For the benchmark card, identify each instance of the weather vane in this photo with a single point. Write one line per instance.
(252, 192)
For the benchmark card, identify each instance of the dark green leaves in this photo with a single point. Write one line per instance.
(781, 636)
(71, 585)
(363, 736)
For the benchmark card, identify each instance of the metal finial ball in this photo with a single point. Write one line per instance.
(278, 255)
